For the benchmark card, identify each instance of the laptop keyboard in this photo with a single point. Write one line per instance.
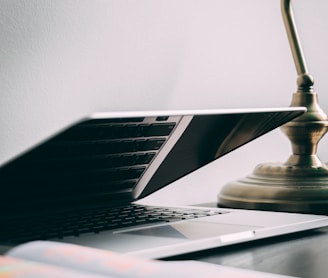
(96, 221)
(99, 157)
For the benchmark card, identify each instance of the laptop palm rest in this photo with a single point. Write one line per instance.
(191, 230)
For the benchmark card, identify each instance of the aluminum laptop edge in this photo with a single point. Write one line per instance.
(109, 161)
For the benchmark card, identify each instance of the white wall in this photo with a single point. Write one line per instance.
(60, 60)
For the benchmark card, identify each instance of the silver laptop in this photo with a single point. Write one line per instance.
(82, 184)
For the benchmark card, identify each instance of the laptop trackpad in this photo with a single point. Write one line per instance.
(192, 230)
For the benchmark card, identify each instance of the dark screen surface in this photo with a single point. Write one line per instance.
(102, 160)
(209, 137)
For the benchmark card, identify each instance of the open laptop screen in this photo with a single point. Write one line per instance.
(120, 157)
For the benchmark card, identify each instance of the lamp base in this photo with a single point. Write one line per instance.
(280, 187)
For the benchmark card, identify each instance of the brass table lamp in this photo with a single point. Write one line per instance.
(301, 183)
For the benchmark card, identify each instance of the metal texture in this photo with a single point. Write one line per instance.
(301, 183)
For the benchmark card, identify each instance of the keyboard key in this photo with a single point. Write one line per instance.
(160, 129)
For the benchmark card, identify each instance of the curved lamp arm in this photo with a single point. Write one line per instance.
(294, 42)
